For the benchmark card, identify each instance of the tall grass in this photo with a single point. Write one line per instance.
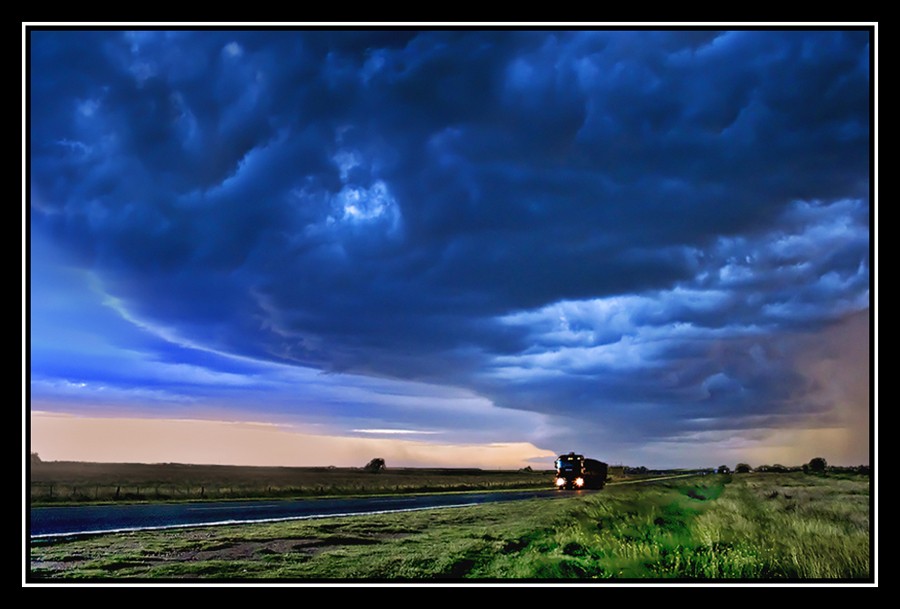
(746, 527)
(756, 527)
(809, 528)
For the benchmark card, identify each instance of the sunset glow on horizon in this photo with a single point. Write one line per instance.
(133, 440)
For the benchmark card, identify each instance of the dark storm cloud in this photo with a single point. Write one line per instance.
(723, 345)
(416, 204)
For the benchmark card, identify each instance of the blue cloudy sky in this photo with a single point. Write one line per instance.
(458, 246)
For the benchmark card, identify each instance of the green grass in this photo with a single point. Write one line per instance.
(771, 527)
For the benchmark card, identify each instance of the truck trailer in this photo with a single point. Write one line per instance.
(576, 472)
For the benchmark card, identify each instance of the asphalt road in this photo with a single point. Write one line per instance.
(91, 519)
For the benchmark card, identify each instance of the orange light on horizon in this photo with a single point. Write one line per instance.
(62, 437)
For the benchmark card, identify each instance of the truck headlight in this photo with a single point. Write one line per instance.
(560, 482)
(579, 482)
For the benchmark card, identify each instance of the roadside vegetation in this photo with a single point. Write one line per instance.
(746, 527)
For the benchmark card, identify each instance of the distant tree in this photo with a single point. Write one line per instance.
(527, 468)
(742, 468)
(35, 458)
(375, 465)
(723, 469)
(818, 465)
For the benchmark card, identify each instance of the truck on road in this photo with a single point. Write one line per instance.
(574, 471)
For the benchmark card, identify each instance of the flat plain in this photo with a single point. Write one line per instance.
(758, 527)
(63, 482)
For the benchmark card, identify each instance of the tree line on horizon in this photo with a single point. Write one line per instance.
(816, 465)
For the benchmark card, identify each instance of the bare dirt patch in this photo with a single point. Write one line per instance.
(50, 560)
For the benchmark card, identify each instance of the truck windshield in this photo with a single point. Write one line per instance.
(568, 464)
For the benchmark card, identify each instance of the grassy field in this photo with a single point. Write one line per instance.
(53, 483)
(750, 527)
